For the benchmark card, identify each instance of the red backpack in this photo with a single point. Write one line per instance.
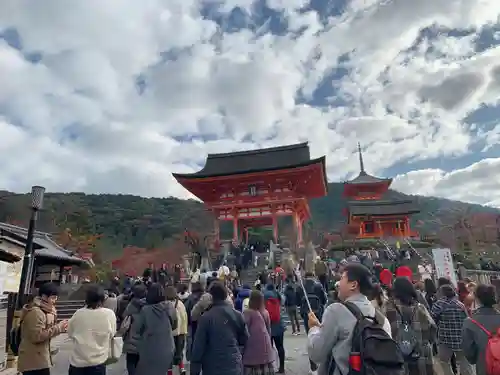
(273, 307)
(492, 355)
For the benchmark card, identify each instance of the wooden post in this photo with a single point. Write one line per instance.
(217, 230)
(300, 238)
(235, 230)
(275, 228)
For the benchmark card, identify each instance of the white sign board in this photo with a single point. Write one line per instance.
(443, 264)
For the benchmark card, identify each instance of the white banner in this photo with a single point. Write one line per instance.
(443, 264)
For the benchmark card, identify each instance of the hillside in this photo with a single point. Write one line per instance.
(156, 222)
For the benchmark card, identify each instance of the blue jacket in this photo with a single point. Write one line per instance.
(242, 294)
(279, 328)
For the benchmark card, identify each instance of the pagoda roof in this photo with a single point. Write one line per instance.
(261, 160)
(391, 203)
(364, 178)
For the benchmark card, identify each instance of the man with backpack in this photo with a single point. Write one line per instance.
(291, 302)
(314, 292)
(353, 338)
(311, 297)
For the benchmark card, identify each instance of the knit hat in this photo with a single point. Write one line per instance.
(404, 271)
(386, 277)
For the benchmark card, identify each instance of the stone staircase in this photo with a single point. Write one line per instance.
(66, 309)
(250, 275)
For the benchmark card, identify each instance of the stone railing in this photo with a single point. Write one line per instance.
(479, 276)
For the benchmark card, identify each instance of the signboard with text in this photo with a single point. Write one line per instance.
(443, 264)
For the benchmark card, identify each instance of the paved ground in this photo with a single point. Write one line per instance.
(295, 347)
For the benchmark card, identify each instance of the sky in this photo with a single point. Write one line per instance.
(113, 96)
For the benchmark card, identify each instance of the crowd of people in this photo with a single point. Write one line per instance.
(357, 321)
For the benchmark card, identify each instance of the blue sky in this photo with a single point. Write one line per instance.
(115, 98)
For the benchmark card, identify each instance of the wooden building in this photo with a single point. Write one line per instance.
(374, 211)
(255, 188)
(50, 260)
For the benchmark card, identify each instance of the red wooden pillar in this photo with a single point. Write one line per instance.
(298, 227)
(235, 229)
(217, 230)
(406, 227)
(300, 238)
(275, 228)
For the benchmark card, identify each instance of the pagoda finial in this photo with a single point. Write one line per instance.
(361, 163)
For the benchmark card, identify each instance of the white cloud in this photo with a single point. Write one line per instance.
(476, 183)
(76, 120)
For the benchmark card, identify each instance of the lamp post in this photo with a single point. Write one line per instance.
(37, 193)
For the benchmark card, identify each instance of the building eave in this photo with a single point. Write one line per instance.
(44, 247)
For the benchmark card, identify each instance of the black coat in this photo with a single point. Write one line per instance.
(220, 334)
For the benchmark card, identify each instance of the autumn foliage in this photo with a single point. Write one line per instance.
(135, 259)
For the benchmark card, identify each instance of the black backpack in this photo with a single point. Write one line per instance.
(290, 295)
(15, 339)
(373, 351)
(407, 337)
(315, 302)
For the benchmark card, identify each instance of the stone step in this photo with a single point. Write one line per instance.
(66, 309)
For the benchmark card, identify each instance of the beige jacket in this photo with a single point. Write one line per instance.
(182, 319)
(38, 327)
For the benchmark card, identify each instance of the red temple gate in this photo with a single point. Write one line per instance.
(255, 188)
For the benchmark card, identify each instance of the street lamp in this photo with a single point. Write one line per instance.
(37, 193)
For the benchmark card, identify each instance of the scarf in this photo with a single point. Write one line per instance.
(45, 306)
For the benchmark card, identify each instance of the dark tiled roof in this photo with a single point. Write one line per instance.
(261, 160)
(365, 178)
(382, 207)
(45, 246)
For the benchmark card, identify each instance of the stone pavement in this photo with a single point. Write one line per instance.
(295, 347)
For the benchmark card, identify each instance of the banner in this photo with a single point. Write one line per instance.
(443, 265)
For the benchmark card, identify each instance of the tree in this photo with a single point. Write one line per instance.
(463, 230)
(83, 245)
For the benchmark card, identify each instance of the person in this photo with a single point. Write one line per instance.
(223, 272)
(272, 298)
(180, 332)
(110, 301)
(331, 340)
(38, 327)
(378, 298)
(291, 302)
(449, 314)
(430, 292)
(316, 295)
(196, 292)
(220, 334)
(258, 355)
(205, 301)
(91, 330)
(412, 327)
(242, 295)
(183, 292)
(153, 332)
(132, 311)
(485, 320)
(321, 270)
